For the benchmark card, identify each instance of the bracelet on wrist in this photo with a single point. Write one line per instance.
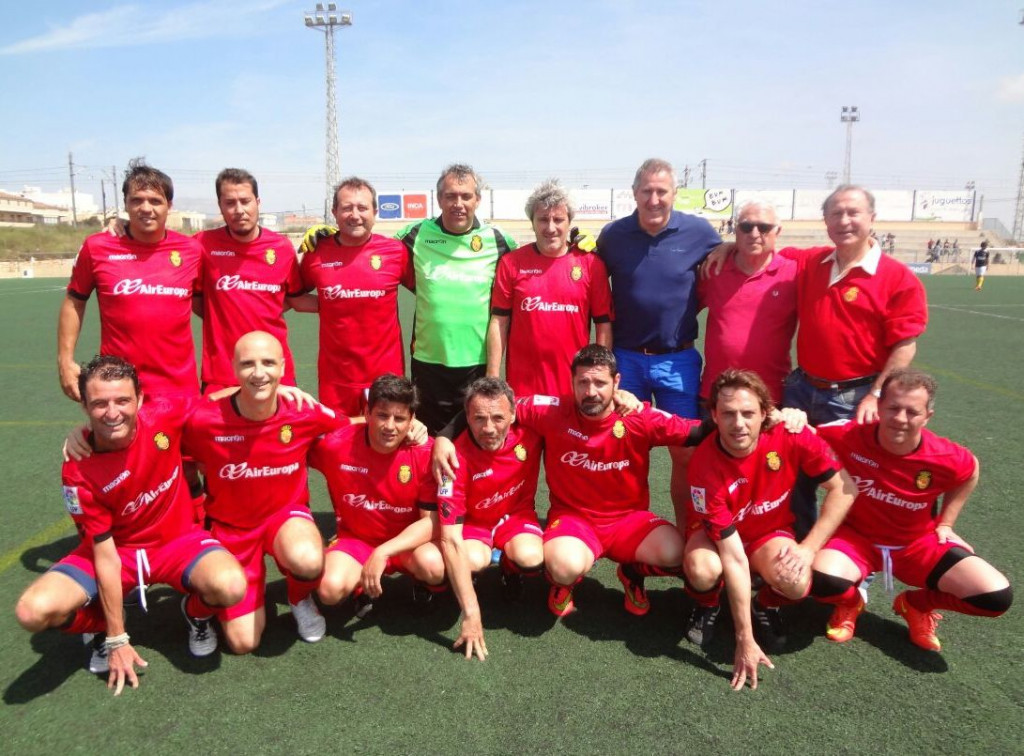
(116, 641)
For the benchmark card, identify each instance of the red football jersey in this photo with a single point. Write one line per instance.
(244, 285)
(254, 467)
(375, 496)
(490, 485)
(360, 336)
(847, 329)
(145, 300)
(550, 302)
(897, 496)
(598, 468)
(751, 494)
(136, 495)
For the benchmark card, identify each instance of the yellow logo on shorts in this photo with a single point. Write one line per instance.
(520, 452)
(555, 524)
(162, 442)
(404, 474)
(619, 429)
(176, 258)
(270, 256)
(923, 480)
(774, 461)
(476, 243)
(286, 434)
(576, 273)
(375, 262)
(850, 295)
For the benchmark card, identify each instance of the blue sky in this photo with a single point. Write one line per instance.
(522, 90)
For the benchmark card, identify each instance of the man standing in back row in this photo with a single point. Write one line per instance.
(454, 257)
(652, 258)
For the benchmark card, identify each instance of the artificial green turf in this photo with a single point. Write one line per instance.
(601, 681)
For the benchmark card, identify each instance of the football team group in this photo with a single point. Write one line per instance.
(192, 483)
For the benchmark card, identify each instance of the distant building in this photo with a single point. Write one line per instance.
(85, 204)
(16, 211)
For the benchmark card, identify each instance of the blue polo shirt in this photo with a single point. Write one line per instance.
(654, 279)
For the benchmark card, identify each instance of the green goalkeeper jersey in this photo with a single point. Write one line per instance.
(454, 274)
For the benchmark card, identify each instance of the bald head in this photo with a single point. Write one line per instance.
(258, 365)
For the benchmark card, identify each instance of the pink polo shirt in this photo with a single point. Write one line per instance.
(751, 320)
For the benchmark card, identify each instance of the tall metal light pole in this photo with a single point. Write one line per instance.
(325, 20)
(849, 115)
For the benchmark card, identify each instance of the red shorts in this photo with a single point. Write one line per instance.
(911, 564)
(760, 541)
(170, 563)
(348, 400)
(617, 541)
(507, 528)
(249, 545)
(360, 550)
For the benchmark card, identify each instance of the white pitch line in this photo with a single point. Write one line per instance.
(975, 312)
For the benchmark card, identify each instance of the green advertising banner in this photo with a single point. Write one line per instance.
(709, 203)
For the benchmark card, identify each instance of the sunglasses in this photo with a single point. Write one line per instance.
(748, 227)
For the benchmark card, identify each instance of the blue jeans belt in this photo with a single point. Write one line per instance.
(651, 352)
(849, 383)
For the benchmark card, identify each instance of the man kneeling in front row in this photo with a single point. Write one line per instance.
(901, 469)
(134, 511)
(741, 478)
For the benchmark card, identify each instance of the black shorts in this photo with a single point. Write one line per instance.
(440, 388)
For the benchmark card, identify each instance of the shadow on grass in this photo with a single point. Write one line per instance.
(39, 559)
(892, 639)
(60, 656)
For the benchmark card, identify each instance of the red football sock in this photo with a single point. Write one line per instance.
(299, 590)
(706, 598)
(652, 570)
(846, 598)
(196, 608)
(928, 600)
(769, 598)
(574, 583)
(88, 619)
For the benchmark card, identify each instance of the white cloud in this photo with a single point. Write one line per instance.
(1011, 89)
(132, 25)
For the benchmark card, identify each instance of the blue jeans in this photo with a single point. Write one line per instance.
(822, 406)
(672, 380)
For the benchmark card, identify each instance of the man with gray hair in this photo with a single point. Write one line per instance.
(751, 304)
(550, 290)
(454, 257)
(652, 258)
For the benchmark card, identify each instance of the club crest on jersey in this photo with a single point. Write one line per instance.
(619, 429)
(699, 498)
(923, 480)
(71, 502)
(520, 452)
(375, 262)
(176, 258)
(576, 273)
(162, 442)
(286, 434)
(270, 256)
(476, 243)
(850, 295)
(774, 461)
(404, 474)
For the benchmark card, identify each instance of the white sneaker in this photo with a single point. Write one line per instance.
(311, 624)
(202, 636)
(99, 664)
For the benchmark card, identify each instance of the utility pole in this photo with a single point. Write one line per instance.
(325, 20)
(1018, 216)
(686, 176)
(113, 172)
(703, 173)
(830, 178)
(74, 210)
(103, 194)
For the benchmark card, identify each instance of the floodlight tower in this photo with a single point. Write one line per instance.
(849, 115)
(326, 20)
